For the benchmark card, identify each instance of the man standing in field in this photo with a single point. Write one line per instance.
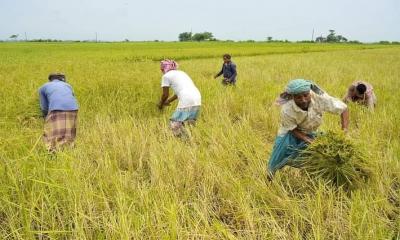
(362, 93)
(303, 104)
(185, 91)
(60, 109)
(228, 71)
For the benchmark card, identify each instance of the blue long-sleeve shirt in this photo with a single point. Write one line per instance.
(229, 71)
(57, 95)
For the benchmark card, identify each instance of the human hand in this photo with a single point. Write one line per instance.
(309, 140)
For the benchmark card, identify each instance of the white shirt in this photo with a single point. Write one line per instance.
(308, 121)
(184, 88)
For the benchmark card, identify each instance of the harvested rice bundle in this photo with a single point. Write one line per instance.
(334, 158)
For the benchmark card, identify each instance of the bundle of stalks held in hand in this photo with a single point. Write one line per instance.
(334, 158)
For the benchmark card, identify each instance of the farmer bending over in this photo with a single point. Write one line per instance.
(303, 105)
(228, 71)
(185, 91)
(362, 93)
(60, 109)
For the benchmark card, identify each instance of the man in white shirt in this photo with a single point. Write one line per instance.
(185, 91)
(303, 105)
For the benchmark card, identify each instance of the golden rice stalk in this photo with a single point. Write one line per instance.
(334, 158)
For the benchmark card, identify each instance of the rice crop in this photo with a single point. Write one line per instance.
(334, 158)
(128, 177)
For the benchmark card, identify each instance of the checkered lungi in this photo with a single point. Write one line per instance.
(60, 128)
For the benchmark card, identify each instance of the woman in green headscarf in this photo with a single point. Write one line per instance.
(303, 104)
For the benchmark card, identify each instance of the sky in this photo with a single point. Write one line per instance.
(147, 20)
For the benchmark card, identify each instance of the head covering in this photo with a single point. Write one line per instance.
(297, 86)
(168, 65)
(57, 75)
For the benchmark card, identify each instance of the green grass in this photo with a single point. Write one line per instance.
(129, 178)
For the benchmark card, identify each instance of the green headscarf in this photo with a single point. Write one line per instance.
(295, 87)
(298, 86)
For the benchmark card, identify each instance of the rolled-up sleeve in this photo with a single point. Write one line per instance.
(332, 105)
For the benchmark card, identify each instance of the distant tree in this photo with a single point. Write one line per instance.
(208, 36)
(340, 38)
(269, 39)
(355, 42)
(305, 41)
(320, 39)
(185, 36)
(205, 36)
(14, 37)
(331, 36)
(198, 37)
(48, 40)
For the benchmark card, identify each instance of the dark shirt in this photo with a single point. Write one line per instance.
(228, 71)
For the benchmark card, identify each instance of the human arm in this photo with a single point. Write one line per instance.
(44, 103)
(164, 97)
(220, 72)
(346, 98)
(371, 103)
(350, 92)
(335, 106)
(171, 99)
(344, 117)
(301, 135)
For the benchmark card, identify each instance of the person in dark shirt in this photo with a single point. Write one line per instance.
(228, 71)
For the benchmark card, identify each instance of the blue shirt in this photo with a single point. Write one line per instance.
(57, 95)
(229, 71)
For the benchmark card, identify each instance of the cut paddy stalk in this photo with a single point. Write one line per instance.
(334, 158)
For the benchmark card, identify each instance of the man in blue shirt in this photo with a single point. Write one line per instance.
(228, 71)
(60, 109)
